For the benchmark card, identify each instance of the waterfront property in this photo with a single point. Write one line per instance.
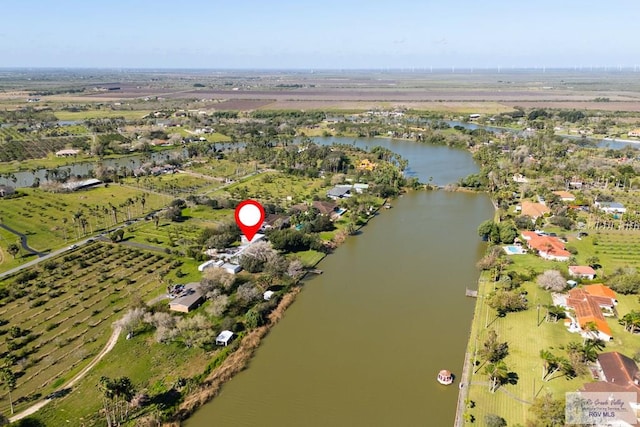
(615, 372)
(77, 185)
(548, 247)
(67, 153)
(5, 190)
(588, 304)
(339, 193)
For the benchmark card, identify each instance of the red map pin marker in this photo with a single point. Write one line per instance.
(249, 217)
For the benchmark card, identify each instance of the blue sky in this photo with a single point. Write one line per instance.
(318, 34)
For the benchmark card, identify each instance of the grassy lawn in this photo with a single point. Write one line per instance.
(309, 258)
(526, 338)
(150, 366)
(527, 333)
(224, 168)
(66, 306)
(177, 184)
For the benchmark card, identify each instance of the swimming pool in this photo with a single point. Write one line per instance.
(513, 250)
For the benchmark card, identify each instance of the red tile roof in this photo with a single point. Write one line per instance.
(600, 290)
(547, 244)
(581, 270)
(587, 308)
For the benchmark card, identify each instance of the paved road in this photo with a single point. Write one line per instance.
(43, 257)
(23, 241)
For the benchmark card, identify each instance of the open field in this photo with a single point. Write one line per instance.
(176, 184)
(422, 89)
(48, 218)
(277, 188)
(96, 114)
(64, 308)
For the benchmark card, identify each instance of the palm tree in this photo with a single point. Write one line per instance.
(8, 379)
(498, 374)
(631, 321)
(550, 364)
(143, 201)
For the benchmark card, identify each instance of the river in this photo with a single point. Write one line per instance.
(363, 343)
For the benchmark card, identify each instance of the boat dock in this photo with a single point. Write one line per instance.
(471, 293)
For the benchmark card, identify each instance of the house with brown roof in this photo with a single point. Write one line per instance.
(547, 247)
(534, 210)
(326, 208)
(588, 304)
(565, 196)
(188, 299)
(617, 373)
(582, 272)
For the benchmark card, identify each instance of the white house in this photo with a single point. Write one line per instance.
(520, 179)
(611, 207)
(582, 271)
(231, 268)
(210, 263)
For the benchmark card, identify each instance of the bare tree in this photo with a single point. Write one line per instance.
(131, 320)
(216, 278)
(248, 293)
(552, 280)
(195, 331)
(218, 305)
(295, 269)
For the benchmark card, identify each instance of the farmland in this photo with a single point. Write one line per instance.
(50, 220)
(58, 315)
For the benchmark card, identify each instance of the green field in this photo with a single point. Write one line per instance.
(96, 114)
(178, 184)
(41, 215)
(275, 187)
(527, 334)
(64, 308)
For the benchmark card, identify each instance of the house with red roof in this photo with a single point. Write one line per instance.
(588, 304)
(582, 272)
(547, 247)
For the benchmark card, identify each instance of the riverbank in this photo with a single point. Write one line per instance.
(233, 364)
(470, 354)
(237, 360)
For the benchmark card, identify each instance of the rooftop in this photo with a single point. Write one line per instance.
(534, 210)
(188, 297)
